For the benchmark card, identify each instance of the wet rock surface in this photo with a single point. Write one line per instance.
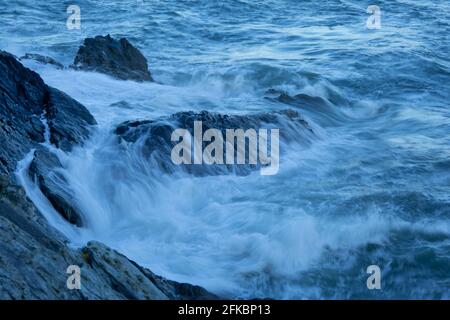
(42, 59)
(329, 115)
(44, 171)
(117, 58)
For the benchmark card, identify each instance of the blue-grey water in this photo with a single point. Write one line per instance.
(372, 188)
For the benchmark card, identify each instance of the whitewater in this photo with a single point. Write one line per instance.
(371, 186)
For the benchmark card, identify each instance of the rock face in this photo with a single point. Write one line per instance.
(25, 101)
(22, 101)
(152, 138)
(34, 256)
(118, 58)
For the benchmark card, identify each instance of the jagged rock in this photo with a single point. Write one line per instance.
(152, 138)
(44, 171)
(118, 58)
(329, 114)
(24, 99)
(68, 120)
(175, 290)
(121, 105)
(42, 59)
(22, 95)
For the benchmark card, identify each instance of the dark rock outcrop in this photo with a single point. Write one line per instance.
(118, 58)
(42, 59)
(44, 170)
(152, 138)
(67, 119)
(34, 257)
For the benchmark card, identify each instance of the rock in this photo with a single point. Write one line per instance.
(118, 58)
(34, 257)
(175, 290)
(329, 113)
(301, 99)
(69, 121)
(44, 171)
(42, 59)
(152, 138)
(22, 95)
(134, 281)
(121, 273)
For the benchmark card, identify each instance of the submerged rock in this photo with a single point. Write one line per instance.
(328, 109)
(152, 138)
(42, 59)
(44, 171)
(68, 120)
(34, 257)
(118, 58)
(22, 96)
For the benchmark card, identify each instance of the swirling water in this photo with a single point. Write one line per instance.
(372, 188)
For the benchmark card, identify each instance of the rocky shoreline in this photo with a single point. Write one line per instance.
(40, 119)
(33, 255)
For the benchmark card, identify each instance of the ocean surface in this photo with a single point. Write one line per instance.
(371, 188)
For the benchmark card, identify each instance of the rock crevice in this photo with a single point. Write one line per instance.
(117, 58)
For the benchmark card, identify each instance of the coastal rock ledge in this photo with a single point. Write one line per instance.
(34, 256)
